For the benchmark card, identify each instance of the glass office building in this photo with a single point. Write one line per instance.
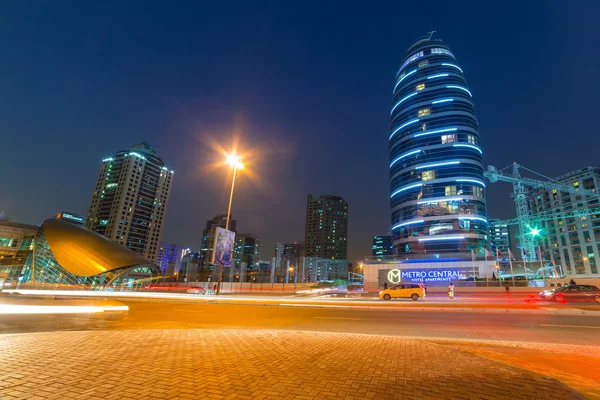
(437, 191)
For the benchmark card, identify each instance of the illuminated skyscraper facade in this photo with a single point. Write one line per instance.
(130, 198)
(436, 171)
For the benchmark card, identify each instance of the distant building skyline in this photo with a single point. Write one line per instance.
(499, 238)
(326, 231)
(246, 249)
(382, 246)
(129, 201)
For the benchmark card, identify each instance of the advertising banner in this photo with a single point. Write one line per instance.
(223, 248)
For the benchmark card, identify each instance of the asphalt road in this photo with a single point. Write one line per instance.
(509, 325)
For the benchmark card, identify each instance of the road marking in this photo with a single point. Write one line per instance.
(352, 319)
(572, 326)
(315, 305)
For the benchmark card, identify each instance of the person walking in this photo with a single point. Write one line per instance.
(507, 287)
(451, 291)
(424, 285)
(384, 285)
(215, 288)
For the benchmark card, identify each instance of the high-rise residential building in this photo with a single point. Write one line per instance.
(326, 228)
(130, 199)
(437, 195)
(571, 243)
(247, 249)
(208, 236)
(499, 237)
(382, 246)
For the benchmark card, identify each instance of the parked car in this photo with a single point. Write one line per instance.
(403, 291)
(572, 293)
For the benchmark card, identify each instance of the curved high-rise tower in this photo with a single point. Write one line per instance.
(436, 172)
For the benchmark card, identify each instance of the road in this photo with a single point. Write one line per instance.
(508, 325)
(531, 338)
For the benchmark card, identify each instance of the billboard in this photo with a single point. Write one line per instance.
(223, 247)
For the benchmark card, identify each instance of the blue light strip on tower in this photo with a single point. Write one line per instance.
(452, 65)
(412, 121)
(436, 131)
(454, 237)
(404, 98)
(441, 101)
(418, 221)
(436, 76)
(475, 218)
(469, 146)
(403, 78)
(442, 199)
(459, 87)
(471, 181)
(437, 164)
(405, 155)
(406, 188)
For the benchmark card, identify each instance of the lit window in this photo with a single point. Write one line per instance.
(424, 127)
(441, 51)
(424, 112)
(449, 138)
(576, 184)
(427, 175)
(423, 63)
(420, 86)
(450, 191)
(471, 139)
(477, 191)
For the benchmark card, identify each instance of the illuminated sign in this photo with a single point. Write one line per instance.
(430, 275)
(394, 276)
(70, 217)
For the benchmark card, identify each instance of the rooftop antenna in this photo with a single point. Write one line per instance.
(431, 34)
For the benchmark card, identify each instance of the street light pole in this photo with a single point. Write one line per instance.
(234, 161)
(230, 198)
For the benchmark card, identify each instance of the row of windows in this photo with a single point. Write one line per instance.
(436, 190)
(417, 110)
(447, 246)
(465, 168)
(475, 208)
(430, 85)
(437, 155)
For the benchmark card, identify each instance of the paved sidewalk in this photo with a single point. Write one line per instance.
(234, 364)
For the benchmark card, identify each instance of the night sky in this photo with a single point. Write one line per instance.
(307, 88)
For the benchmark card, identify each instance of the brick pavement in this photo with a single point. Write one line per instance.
(254, 365)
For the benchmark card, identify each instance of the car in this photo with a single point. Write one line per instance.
(572, 293)
(403, 291)
(195, 290)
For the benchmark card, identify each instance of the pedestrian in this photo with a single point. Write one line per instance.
(451, 291)
(572, 283)
(384, 285)
(215, 288)
(507, 287)
(209, 289)
(424, 288)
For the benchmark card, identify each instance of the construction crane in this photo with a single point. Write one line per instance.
(520, 189)
(548, 216)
